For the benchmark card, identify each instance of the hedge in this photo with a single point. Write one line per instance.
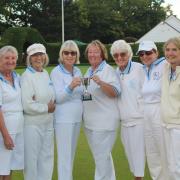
(22, 37)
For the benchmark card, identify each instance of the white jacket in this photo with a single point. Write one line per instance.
(37, 91)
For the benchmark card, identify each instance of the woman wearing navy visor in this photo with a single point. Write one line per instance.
(66, 79)
(38, 104)
(151, 91)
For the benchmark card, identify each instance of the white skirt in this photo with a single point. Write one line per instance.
(12, 159)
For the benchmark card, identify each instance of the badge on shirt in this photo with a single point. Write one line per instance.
(156, 76)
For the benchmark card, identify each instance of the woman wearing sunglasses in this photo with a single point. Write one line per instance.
(66, 79)
(131, 78)
(170, 104)
(151, 91)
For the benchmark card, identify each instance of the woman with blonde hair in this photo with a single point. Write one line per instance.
(170, 106)
(66, 79)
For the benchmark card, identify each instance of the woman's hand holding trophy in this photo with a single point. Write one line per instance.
(75, 82)
(86, 96)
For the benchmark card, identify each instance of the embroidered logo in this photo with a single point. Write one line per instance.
(156, 76)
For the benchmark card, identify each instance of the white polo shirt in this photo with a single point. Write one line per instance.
(130, 101)
(102, 112)
(10, 103)
(37, 91)
(68, 103)
(151, 90)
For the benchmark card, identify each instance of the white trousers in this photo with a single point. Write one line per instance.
(12, 159)
(172, 140)
(101, 144)
(39, 152)
(154, 142)
(66, 138)
(133, 140)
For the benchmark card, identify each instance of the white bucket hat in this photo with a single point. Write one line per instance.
(36, 48)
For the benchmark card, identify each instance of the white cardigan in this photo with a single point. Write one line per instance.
(37, 91)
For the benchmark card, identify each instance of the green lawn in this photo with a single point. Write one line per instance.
(84, 164)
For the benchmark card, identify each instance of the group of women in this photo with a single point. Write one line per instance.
(145, 99)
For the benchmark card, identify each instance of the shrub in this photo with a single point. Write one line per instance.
(22, 37)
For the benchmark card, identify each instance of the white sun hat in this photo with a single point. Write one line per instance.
(36, 48)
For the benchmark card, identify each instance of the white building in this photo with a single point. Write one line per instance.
(163, 31)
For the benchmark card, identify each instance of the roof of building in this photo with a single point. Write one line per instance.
(163, 31)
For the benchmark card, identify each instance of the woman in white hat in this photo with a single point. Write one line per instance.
(151, 91)
(38, 104)
(11, 115)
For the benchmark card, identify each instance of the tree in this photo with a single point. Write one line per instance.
(140, 16)
(85, 20)
(103, 21)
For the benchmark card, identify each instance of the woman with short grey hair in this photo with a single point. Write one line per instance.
(11, 115)
(131, 77)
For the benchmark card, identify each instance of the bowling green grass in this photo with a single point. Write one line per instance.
(84, 163)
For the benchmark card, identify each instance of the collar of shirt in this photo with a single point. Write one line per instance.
(14, 76)
(65, 71)
(173, 74)
(127, 69)
(32, 70)
(99, 68)
(148, 70)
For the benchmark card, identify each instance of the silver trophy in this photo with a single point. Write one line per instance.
(86, 96)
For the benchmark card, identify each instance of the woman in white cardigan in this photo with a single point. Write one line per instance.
(170, 104)
(66, 79)
(38, 104)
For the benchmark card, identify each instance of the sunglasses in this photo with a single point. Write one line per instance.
(72, 53)
(147, 53)
(116, 55)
